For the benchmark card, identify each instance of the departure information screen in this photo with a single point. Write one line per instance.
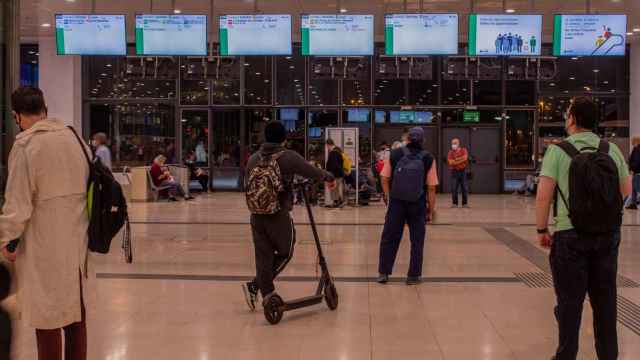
(255, 35)
(421, 34)
(505, 35)
(91, 34)
(171, 35)
(337, 35)
(589, 35)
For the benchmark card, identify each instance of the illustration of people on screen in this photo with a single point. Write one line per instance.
(599, 41)
(532, 43)
(499, 44)
(607, 32)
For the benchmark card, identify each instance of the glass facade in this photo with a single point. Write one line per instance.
(150, 105)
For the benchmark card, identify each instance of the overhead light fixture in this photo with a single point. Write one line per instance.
(343, 10)
(46, 25)
(177, 11)
(629, 33)
(636, 29)
(510, 11)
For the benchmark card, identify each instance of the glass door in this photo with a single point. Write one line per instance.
(318, 120)
(227, 149)
(195, 137)
(519, 141)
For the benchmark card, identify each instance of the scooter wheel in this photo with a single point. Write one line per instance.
(331, 296)
(272, 309)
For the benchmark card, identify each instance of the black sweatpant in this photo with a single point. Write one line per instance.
(274, 237)
(580, 265)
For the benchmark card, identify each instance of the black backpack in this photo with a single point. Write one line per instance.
(594, 189)
(409, 173)
(107, 207)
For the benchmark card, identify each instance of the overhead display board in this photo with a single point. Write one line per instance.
(421, 34)
(589, 35)
(410, 117)
(171, 35)
(91, 34)
(258, 34)
(337, 35)
(505, 35)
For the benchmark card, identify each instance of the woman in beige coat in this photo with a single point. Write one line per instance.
(46, 206)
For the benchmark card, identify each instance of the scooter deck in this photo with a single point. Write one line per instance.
(302, 302)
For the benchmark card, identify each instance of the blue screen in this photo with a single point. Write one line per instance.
(358, 115)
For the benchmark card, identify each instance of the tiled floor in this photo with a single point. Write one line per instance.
(189, 304)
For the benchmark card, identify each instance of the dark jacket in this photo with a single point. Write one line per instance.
(5, 335)
(335, 163)
(634, 160)
(291, 163)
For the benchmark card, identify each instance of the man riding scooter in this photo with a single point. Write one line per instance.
(269, 193)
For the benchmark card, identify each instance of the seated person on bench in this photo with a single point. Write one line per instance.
(161, 177)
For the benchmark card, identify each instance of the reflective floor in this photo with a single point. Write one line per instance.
(486, 294)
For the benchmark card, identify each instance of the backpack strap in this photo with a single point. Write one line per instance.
(82, 145)
(405, 151)
(572, 151)
(603, 147)
(569, 149)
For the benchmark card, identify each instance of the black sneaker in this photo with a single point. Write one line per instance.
(383, 279)
(414, 280)
(632, 207)
(250, 294)
(172, 199)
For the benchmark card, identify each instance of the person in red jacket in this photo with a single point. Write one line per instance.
(458, 160)
(161, 177)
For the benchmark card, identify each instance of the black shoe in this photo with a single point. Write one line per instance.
(414, 280)
(188, 198)
(632, 207)
(172, 199)
(383, 279)
(250, 294)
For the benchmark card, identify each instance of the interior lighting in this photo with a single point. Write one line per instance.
(177, 11)
(510, 11)
(343, 10)
(46, 25)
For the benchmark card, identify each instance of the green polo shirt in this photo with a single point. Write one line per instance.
(556, 166)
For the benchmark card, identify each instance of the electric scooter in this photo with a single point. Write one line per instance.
(326, 290)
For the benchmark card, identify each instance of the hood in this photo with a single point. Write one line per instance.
(42, 126)
(270, 148)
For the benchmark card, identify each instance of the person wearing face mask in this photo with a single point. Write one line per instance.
(102, 152)
(46, 206)
(458, 159)
(588, 177)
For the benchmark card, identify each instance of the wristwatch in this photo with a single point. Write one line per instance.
(543, 231)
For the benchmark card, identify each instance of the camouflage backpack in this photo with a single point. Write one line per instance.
(264, 185)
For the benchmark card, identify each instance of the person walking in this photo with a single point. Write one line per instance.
(634, 165)
(458, 160)
(45, 206)
(101, 150)
(588, 177)
(274, 235)
(335, 165)
(409, 180)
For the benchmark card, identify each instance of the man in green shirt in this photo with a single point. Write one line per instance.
(580, 263)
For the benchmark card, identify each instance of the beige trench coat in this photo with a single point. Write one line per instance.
(45, 204)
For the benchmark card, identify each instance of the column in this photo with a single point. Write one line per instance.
(634, 82)
(61, 82)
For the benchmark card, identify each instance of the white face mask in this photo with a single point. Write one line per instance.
(455, 146)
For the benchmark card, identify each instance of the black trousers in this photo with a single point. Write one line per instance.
(274, 238)
(585, 265)
(400, 213)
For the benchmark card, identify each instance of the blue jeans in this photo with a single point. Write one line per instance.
(636, 189)
(459, 181)
(400, 213)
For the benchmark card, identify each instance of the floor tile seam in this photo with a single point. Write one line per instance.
(495, 328)
(430, 323)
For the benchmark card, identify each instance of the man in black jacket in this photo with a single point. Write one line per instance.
(335, 165)
(274, 235)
